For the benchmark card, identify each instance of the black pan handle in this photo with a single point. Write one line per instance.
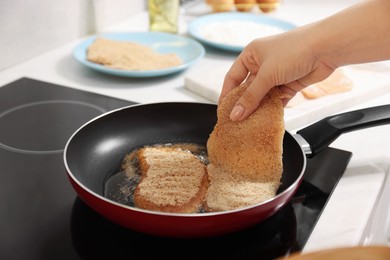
(322, 133)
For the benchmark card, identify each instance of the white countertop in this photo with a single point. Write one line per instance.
(349, 217)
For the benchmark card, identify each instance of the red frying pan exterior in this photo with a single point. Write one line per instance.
(96, 150)
(182, 225)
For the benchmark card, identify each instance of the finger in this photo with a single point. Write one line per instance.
(234, 77)
(250, 78)
(251, 98)
(292, 88)
(318, 74)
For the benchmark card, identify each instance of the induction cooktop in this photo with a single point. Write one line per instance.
(41, 216)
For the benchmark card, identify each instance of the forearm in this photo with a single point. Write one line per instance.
(358, 34)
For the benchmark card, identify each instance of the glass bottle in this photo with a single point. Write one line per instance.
(163, 15)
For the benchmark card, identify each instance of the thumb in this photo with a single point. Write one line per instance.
(251, 98)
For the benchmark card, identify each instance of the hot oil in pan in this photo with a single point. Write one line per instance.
(120, 186)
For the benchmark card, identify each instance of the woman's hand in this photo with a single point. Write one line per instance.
(281, 61)
(306, 55)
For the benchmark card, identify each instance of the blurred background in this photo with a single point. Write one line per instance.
(32, 27)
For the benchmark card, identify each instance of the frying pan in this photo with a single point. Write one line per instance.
(96, 150)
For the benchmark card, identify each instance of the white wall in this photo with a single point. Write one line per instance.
(31, 27)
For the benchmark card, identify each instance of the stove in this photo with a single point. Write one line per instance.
(41, 216)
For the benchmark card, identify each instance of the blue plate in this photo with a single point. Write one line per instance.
(195, 27)
(189, 50)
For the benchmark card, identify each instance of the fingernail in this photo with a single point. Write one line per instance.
(237, 112)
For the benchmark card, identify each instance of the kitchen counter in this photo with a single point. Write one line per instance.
(355, 214)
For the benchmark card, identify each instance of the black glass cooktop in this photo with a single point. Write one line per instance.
(41, 216)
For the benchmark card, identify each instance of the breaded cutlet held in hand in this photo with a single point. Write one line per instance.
(245, 156)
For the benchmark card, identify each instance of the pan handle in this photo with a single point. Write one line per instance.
(323, 132)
